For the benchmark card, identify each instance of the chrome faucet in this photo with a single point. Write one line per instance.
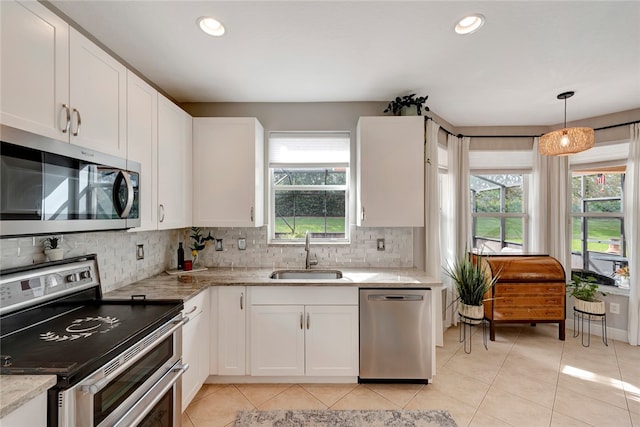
(307, 247)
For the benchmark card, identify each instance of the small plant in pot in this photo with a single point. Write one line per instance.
(403, 105)
(51, 249)
(472, 280)
(585, 291)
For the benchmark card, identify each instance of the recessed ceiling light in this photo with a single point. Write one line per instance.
(211, 26)
(469, 24)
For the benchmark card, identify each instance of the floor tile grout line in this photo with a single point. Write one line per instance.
(272, 397)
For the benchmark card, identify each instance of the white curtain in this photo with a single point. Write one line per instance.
(538, 206)
(632, 231)
(432, 220)
(456, 210)
(550, 219)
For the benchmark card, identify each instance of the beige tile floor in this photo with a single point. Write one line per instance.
(527, 377)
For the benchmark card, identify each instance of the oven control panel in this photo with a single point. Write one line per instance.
(24, 289)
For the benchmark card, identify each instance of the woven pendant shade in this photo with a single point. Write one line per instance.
(563, 142)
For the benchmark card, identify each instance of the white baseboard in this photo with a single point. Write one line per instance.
(247, 379)
(596, 329)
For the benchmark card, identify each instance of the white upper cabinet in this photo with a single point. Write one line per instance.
(34, 69)
(98, 96)
(390, 171)
(57, 83)
(174, 165)
(228, 172)
(142, 145)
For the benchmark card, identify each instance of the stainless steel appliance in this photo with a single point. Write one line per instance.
(396, 342)
(48, 186)
(118, 362)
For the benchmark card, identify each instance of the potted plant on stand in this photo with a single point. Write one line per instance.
(585, 291)
(51, 249)
(472, 280)
(407, 105)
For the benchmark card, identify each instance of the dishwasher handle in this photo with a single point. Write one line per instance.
(395, 297)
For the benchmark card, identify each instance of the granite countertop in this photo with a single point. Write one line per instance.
(16, 390)
(19, 389)
(187, 285)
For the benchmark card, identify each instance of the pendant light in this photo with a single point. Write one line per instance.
(565, 141)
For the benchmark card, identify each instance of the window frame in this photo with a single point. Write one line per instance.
(503, 216)
(273, 189)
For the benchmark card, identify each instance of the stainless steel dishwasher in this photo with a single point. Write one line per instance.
(396, 340)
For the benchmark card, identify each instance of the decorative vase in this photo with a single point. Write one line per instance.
(473, 314)
(54, 254)
(623, 283)
(590, 307)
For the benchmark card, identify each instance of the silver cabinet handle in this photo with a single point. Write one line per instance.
(77, 131)
(161, 213)
(242, 301)
(68, 123)
(251, 214)
(193, 310)
(308, 320)
(362, 215)
(301, 320)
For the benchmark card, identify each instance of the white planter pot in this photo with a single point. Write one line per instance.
(473, 313)
(409, 111)
(54, 254)
(592, 307)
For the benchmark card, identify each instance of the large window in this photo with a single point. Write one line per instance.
(309, 177)
(598, 237)
(498, 212)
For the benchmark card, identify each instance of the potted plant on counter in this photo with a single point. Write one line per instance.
(51, 249)
(472, 280)
(585, 290)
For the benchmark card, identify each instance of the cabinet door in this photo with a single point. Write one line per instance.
(195, 345)
(98, 96)
(331, 340)
(142, 145)
(231, 330)
(190, 350)
(228, 172)
(34, 68)
(277, 340)
(174, 166)
(390, 177)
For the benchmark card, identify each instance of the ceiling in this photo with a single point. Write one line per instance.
(507, 73)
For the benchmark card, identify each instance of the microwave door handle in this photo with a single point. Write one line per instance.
(123, 212)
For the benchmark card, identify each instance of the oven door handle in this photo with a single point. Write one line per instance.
(176, 372)
(102, 383)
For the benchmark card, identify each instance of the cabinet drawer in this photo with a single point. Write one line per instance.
(195, 305)
(538, 301)
(502, 289)
(537, 313)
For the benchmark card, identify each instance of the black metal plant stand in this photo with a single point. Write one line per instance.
(470, 322)
(579, 318)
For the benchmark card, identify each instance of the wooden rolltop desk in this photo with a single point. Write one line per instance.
(530, 289)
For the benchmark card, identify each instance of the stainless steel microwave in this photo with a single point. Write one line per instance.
(49, 186)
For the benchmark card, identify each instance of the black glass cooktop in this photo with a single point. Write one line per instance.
(75, 341)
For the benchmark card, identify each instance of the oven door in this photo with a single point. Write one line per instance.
(127, 386)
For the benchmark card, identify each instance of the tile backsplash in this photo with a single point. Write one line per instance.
(118, 265)
(361, 252)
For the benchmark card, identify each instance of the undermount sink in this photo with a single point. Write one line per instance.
(307, 274)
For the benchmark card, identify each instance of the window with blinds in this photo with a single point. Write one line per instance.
(309, 183)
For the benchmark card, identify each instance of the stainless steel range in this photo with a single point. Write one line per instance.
(118, 363)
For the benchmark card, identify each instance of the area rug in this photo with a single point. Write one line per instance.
(323, 418)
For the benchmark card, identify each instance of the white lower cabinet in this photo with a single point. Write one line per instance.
(310, 331)
(232, 321)
(31, 414)
(195, 346)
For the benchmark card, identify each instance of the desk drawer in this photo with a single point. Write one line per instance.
(536, 289)
(536, 313)
(538, 301)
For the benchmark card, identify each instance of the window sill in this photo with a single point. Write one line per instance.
(613, 290)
